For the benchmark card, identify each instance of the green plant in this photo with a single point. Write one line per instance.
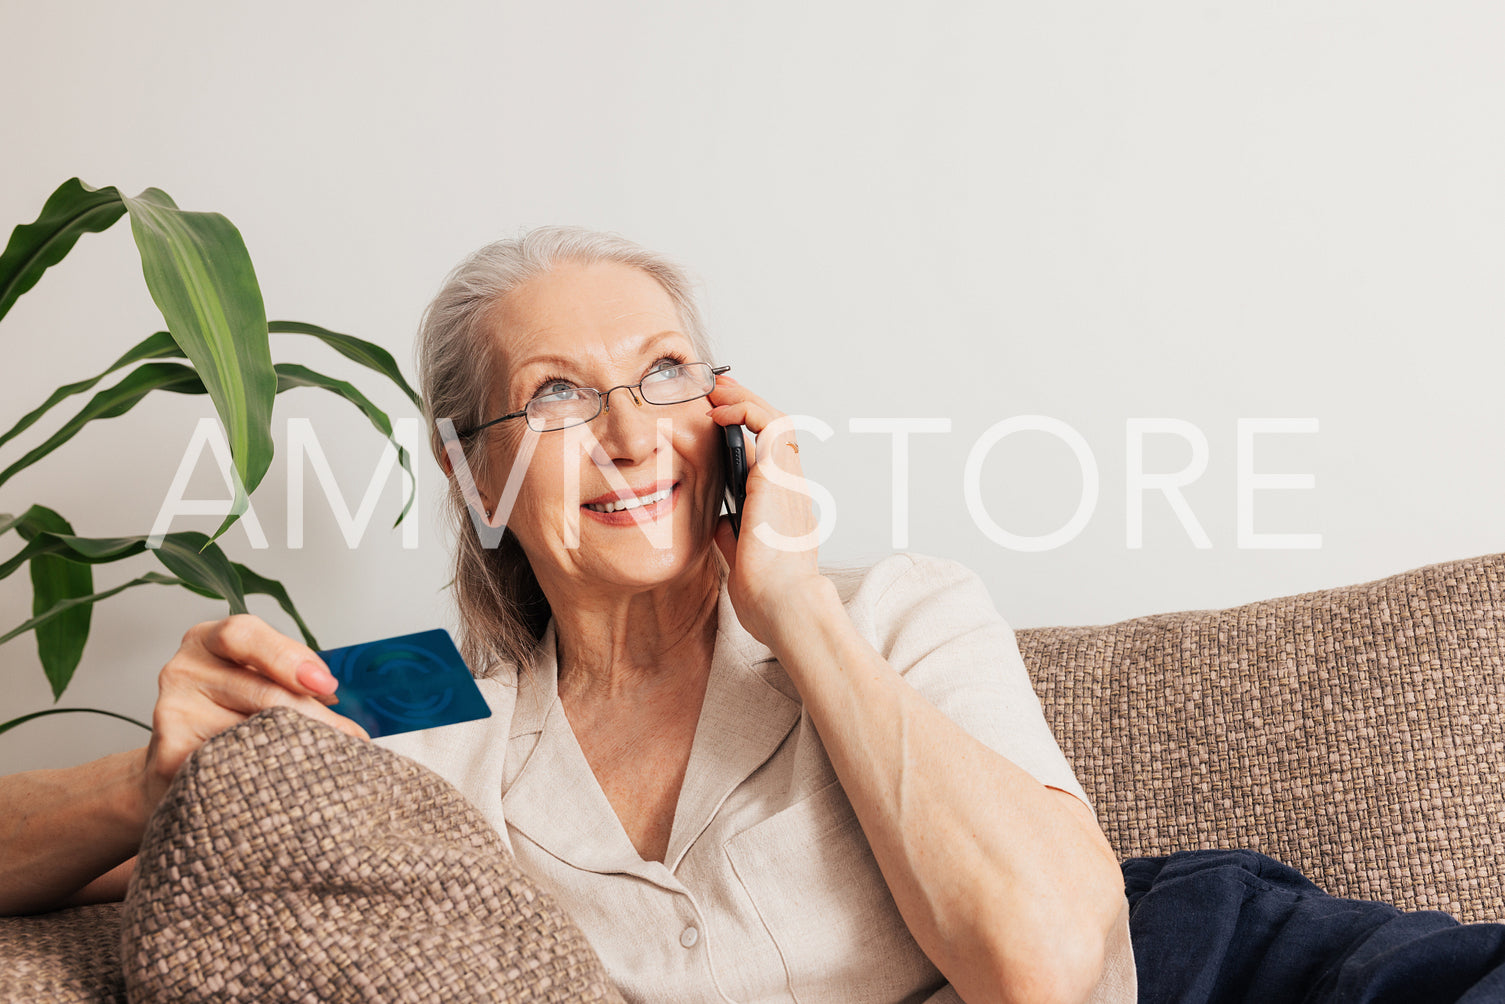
(200, 276)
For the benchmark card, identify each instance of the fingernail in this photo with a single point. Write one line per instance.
(728, 378)
(316, 678)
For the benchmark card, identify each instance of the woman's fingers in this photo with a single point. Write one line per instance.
(224, 672)
(247, 640)
(776, 552)
(247, 692)
(779, 498)
(734, 404)
(733, 399)
(198, 686)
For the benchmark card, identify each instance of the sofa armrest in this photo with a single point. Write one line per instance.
(1355, 733)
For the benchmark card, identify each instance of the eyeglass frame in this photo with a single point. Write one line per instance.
(602, 403)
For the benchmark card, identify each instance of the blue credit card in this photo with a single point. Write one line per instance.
(403, 684)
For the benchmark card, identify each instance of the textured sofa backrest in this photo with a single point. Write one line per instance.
(1355, 733)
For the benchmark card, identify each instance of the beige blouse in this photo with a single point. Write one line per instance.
(769, 890)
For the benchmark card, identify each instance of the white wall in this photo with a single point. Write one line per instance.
(1095, 212)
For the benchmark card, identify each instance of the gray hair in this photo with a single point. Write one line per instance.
(501, 609)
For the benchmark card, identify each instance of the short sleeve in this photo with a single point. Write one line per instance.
(937, 625)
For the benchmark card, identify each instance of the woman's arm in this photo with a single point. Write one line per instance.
(64, 829)
(68, 836)
(108, 888)
(1008, 886)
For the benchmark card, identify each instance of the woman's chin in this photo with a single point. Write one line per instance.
(632, 559)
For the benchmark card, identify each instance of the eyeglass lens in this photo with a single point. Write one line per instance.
(577, 405)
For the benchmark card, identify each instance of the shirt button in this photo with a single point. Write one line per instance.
(688, 937)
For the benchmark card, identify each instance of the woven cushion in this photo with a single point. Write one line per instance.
(291, 862)
(1356, 733)
(63, 957)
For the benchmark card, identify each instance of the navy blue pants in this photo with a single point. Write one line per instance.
(1237, 925)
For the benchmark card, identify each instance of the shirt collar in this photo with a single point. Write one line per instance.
(750, 706)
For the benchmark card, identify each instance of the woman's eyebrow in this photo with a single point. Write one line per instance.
(645, 343)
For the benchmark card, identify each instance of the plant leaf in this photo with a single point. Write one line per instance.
(255, 583)
(121, 397)
(112, 401)
(367, 354)
(56, 584)
(31, 550)
(158, 346)
(188, 554)
(290, 375)
(63, 606)
(200, 276)
(7, 726)
(196, 559)
(250, 580)
(73, 210)
(94, 550)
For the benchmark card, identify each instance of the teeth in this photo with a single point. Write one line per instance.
(632, 503)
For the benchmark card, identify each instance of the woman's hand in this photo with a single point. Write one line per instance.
(223, 673)
(773, 563)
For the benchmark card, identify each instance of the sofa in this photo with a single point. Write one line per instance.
(1356, 733)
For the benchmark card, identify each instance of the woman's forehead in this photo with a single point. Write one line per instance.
(602, 310)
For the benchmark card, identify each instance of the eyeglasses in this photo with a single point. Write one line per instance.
(577, 405)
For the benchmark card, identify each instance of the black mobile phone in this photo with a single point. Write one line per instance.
(736, 475)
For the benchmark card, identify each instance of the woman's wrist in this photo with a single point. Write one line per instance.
(806, 608)
(137, 793)
(66, 827)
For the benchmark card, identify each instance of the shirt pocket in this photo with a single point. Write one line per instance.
(813, 879)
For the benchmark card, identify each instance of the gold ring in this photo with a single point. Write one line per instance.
(794, 446)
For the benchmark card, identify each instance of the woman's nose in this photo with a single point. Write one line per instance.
(627, 427)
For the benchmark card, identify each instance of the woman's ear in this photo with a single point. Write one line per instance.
(446, 462)
(442, 455)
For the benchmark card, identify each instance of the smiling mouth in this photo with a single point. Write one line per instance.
(632, 503)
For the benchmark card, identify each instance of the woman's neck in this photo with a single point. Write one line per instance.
(660, 636)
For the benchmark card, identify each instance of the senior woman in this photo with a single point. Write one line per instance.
(737, 777)
(742, 778)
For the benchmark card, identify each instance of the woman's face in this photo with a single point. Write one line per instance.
(601, 325)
